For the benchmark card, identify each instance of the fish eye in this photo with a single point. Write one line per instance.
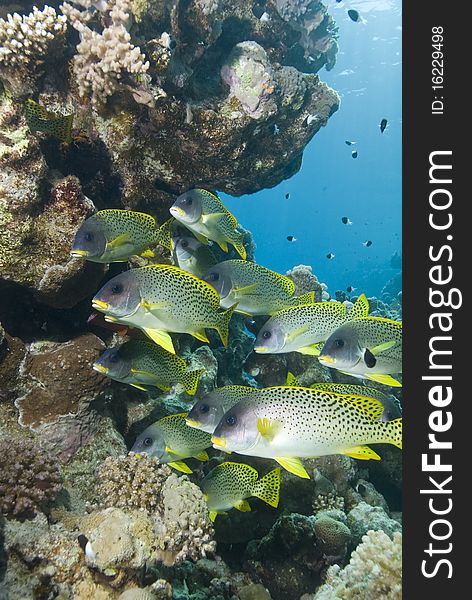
(184, 243)
(117, 288)
(147, 441)
(213, 276)
(88, 237)
(266, 335)
(188, 201)
(114, 358)
(204, 408)
(231, 420)
(338, 343)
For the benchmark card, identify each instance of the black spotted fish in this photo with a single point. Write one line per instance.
(228, 485)
(171, 440)
(368, 347)
(160, 299)
(206, 216)
(38, 118)
(287, 423)
(255, 289)
(114, 235)
(144, 364)
(302, 328)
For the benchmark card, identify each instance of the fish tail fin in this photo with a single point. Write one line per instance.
(268, 488)
(308, 298)
(360, 308)
(190, 380)
(393, 432)
(239, 246)
(223, 327)
(163, 234)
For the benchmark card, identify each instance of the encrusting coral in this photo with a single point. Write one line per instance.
(374, 571)
(104, 59)
(29, 478)
(26, 41)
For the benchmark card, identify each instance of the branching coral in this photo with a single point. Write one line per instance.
(131, 482)
(104, 58)
(374, 571)
(29, 478)
(25, 42)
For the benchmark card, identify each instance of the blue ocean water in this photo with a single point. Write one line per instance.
(331, 184)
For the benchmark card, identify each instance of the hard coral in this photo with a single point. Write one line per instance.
(131, 482)
(29, 478)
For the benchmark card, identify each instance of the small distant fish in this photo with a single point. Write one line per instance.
(205, 215)
(265, 17)
(39, 118)
(349, 143)
(383, 125)
(287, 196)
(170, 440)
(312, 118)
(354, 154)
(114, 235)
(354, 15)
(367, 243)
(350, 289)
(167, 41)
(346, 220)
(276, 129)
(330, 256)
(291, 238)
(229, 484)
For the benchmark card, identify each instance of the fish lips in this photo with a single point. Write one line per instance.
(79, 253)
(326, 360)
(260, 349)
(100, 368)
(218, 442)
(192, 423)
(100, 304)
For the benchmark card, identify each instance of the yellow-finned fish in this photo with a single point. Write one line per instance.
(143, 364)
(171, 440)
(38, 118)
(114, 235)
(369, 347)
(286, 423)
(302, 328)
(229, 484)
(206, 216)
(191, 255)
(161, 298)
(207, 412)
(256, 290)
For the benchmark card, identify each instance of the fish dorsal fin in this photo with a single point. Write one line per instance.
(360, 308)
(119, 241)
(179, 465)
(161, 338)
(312, 349)
(369, 407)
(268, 488)
(384, 379)
(361, 453)
(213, 515)
(293, 465)
(268, 428)
(200, 335)
(382, 347)
(300, 331)
(242, 505)
(181, 415)
(203, 456)
(291, 380)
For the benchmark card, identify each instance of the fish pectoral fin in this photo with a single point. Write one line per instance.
(242, 505)
(161, 338)
(292, 465)
(312, 350)
(300, 331)
(175, 453)
(200, 335)
(246, 289)
(201, 238)
(223, 245)
(382, 347)
(212, 217)
(268, 428)
(139, 387)
(384, 379)
(203, 456)
(179, 465)
(291, 380)
(148, 254)
(361, 453)
(119, 241)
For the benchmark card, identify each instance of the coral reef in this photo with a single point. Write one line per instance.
(305, 281)
(29, 478)
(374, 571)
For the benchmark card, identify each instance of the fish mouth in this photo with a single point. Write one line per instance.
(218, 442)
(111, 319)
(192, 422)
(79, 253)
(327, 359)
(100, 368)
(176, 211)
(100, 304)
(260, 349)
